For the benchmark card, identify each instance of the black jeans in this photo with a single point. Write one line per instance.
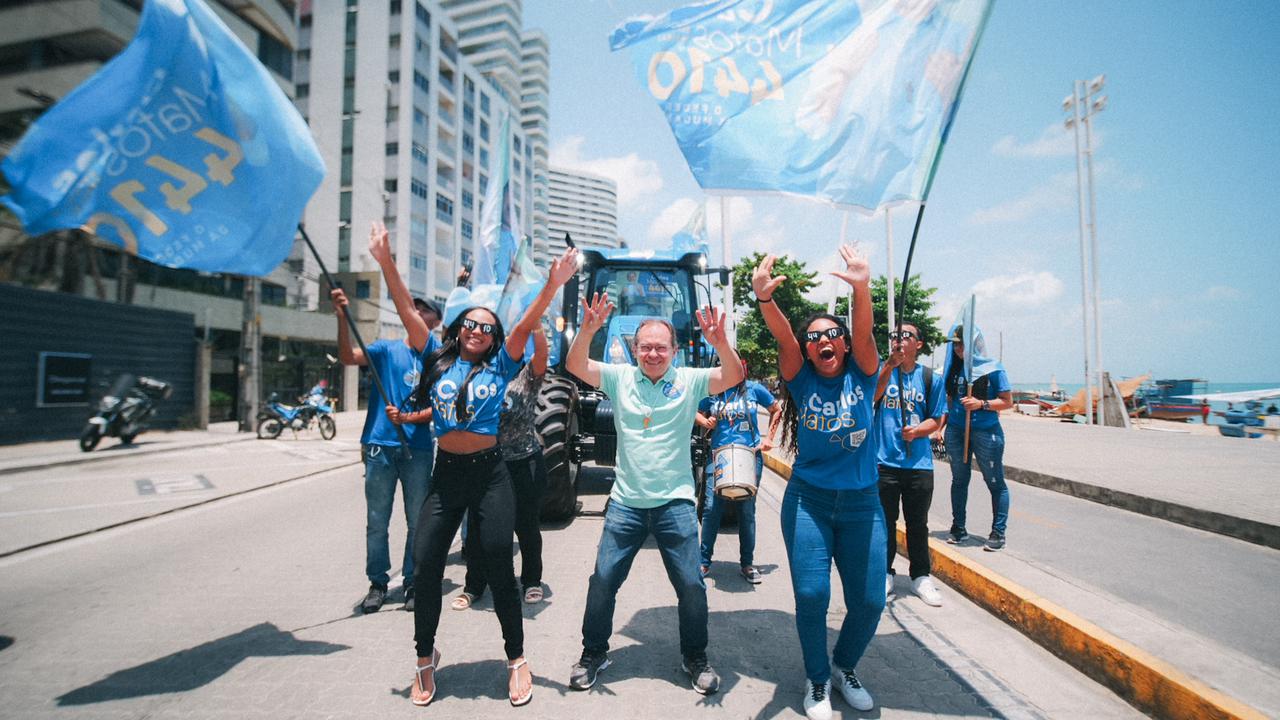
(476, 484)
(529, 481)
(915, 488)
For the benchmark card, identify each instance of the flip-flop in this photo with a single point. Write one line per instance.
(533, 595)
(435, 659)
(463, 601)
(523, 699)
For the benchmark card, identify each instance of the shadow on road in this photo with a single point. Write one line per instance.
(194, 667)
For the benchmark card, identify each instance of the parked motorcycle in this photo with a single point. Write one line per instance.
(123, 412)
(275, 416)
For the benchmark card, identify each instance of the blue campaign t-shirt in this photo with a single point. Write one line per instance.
(737, 414)
(910, 387)
(485, 395)
(836, 446)
(400, 367)
(998, 382)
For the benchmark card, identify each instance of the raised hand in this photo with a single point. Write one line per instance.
(379, 242)
(857, 270)
(563, 268)
(339, 298)
(762, 281)
(595, 313)
(711, 320)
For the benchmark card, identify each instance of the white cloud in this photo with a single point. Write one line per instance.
(1057, 194)
(1022, 290)
(637, 178)
(1054, 141)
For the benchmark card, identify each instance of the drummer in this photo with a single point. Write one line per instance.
(733, 417)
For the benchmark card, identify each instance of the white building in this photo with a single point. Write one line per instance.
(583, 205)
(535, 114)
(406, 125)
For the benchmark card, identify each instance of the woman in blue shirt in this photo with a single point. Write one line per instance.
(831, 510)
(465, 382)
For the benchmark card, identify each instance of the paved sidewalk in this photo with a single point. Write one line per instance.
(246, 609)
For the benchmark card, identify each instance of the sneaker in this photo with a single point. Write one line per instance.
(372, 602)
(888, 584)
(583, 674)
(704, 570)
(956, 535)
(817, 700)
(928, 592)
(408, 599)
(853, 692)
(705, 679)
(995, 541)
(751, 574)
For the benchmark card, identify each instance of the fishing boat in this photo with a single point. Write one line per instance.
(1256, 415)
(1172, 399)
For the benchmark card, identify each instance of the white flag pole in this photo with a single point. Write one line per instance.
(835, 290)
(890, 318)
(727, 255)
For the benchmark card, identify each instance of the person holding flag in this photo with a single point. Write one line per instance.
(465, 384)
(831, 509)
(977, 390)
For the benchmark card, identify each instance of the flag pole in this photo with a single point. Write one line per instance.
(355, 332)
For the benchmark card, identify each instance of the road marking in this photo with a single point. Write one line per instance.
(169, 486)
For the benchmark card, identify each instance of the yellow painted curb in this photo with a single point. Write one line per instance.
(1145, 681)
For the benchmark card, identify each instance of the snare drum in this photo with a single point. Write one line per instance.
(734, 471)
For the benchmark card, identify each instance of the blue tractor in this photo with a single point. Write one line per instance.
(575, 420)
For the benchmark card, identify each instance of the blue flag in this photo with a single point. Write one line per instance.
(847, 102)
(182, 149)
(499, 225)
(965, 330)
(693, 236)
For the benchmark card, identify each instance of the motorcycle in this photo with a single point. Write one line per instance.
(275, 416)
(124, 410)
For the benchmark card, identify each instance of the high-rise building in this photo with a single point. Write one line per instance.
(585, 206)
(407, 126)
(535, 115)
(489, 35)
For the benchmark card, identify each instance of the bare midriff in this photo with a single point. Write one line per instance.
(465, 442)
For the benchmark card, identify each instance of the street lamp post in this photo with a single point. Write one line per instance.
(1072, 104)
(1084, 102)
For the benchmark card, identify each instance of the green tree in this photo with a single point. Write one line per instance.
(919, 304)
(755, 344)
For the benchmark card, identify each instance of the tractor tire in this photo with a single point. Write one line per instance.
(557, 423)
(89, 438)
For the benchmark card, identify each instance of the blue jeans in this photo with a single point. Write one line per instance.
(988, 452)
(846, 526)
(384, 466)
(675, 528)
(712, 510)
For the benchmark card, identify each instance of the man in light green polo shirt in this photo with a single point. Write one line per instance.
(654, 405)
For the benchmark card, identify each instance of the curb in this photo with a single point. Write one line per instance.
(1143, 680)
(1252, 531)
(91, 457)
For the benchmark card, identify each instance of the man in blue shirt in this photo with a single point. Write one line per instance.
(909, 402)
(399, 365)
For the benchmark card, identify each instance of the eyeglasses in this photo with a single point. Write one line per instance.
(485, 328)
(833, 333)
(658, 349)
(904, 335)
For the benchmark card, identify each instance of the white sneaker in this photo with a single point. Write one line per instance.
(888, 584)
(817, 700)
(928, 592)
(854, 694)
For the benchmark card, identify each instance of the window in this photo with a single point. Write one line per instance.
(467, 229)
(468, 143)
(444, 208)
(468, 87)
(468, 200)
(484, 129)
(344, 206)
(484, 185)
(484, 158)
(393, 42)
(302, 91)
(515, 142)
(417, 262)
(393, 114)
(395, 7)
(348, 134)
(468, 113)
(305, 21)
(420, 81)
(362, 289)
(418, 188)
(393, 76)
(349, 64)
(275, 55)
(424, 17)
(272, 294)
(393, 148)
(390, 184)
(419, 153)
(484, 104)
(419, 117)
(345, 176)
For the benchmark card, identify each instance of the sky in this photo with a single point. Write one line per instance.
(1186, 178)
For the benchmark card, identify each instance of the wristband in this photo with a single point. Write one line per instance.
(762, 301)
(986, 405)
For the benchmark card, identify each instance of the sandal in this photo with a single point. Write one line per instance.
(463, 601)
(435, 659)
(523, 699)
(533, 595)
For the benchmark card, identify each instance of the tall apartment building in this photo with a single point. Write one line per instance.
(491, 35)
(406, 124)
(585, 206)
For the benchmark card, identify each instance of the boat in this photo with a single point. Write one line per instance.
(1253, 419)
(1172, 399)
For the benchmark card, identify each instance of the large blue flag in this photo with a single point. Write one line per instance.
(848, 102)
(499, 225)
(693, 236)
(182, 150)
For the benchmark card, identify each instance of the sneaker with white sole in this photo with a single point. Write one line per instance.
(924, 588)
(817, 700)
(852, 690)
(888, 584)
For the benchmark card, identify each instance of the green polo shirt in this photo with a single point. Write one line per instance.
(653, 422)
